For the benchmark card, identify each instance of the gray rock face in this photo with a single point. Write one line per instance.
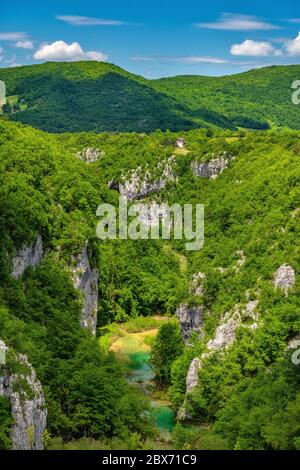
(90, 155)
(196, 285)
(86, 280)
(224, 335)
(191, 319)
(141, 182)
(28, 256)
(213, 168)
(192, 378)
(27, 406)
(226, 332)
(285, 278)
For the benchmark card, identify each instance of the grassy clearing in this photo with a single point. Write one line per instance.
(135, 335)
(181, 151)
(132, 342)
(232, 139)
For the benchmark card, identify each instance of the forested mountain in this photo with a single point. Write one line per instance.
(258, 96)
(91, 97)
(243, 286)
(94, 96)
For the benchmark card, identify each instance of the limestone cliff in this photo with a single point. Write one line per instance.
(191, 320)
(86, 280)
(142, 181)
(192, 380)
(28, 256)
(28, 407)
(213, 168)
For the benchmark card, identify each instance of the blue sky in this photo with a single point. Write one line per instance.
(153, 38)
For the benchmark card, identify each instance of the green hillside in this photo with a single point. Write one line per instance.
(246, 99)
(93, 96)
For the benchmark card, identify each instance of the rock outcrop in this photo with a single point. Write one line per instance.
(240, 262)
(86, 281)
(213, 168)
(236, 267)
(28, 256)
(90, 155)
(142, 182)
(192, 380)
(191, 320)
(224, 335)
(28, 407)
(285, 278)
(196, 285)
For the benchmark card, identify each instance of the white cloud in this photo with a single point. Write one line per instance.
(292, 47)
(88, 21)
(202, 60)
(279, 40)
(181, 59)
(98, 56)
(234, 22)
(253, 48)
(294, 20)
(13, 36)
(24, 44)
(60, 50)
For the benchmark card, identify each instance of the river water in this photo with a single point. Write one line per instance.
(140, 372)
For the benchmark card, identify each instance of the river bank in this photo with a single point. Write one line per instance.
(131, 342)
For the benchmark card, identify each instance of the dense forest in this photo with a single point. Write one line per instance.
(256, 99)
(247, 396)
